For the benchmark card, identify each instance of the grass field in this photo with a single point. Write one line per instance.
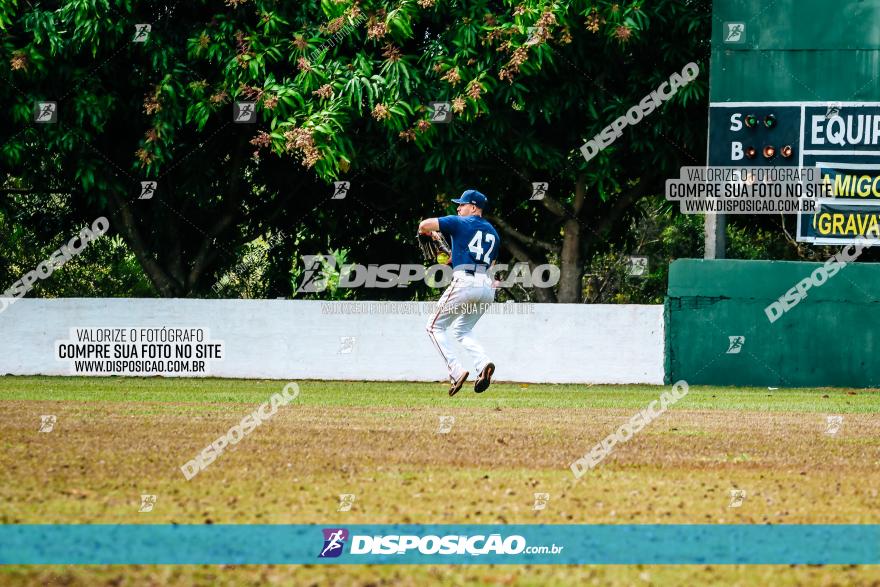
(118, 438)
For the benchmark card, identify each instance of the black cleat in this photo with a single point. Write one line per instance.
(485, 379)
(456, 385)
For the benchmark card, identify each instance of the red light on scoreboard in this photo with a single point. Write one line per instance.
(787, 151)
(769, 151)
(750, 152)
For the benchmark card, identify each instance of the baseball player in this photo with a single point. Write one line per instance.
(475, 245)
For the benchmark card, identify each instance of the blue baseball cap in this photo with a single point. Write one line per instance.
(473, 197)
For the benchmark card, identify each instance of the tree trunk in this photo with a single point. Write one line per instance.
(174, 268)
(570, 289)
(125, 223)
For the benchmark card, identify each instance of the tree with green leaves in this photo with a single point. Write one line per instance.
(342, 91)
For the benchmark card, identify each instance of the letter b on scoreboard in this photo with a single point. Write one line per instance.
(754, 134)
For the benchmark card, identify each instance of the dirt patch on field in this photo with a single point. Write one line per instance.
(100, 458)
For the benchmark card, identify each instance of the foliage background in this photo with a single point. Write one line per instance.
(341, 90)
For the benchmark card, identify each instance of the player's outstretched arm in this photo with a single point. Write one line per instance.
(429, 225)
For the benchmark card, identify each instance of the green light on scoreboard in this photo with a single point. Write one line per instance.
(752, 121)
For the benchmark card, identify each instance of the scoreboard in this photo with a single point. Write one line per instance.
(841, 139)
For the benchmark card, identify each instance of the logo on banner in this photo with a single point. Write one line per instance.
(334, 540)
(736, 344)
(734, 32)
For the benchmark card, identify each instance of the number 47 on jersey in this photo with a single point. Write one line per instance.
(476, 246)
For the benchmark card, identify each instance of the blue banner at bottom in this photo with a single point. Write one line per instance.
(439, 544)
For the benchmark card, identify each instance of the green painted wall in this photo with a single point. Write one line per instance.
(831, 338)
(814, 50)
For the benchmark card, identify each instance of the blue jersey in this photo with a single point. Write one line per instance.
(474, 241)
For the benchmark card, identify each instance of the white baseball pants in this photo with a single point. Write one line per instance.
(463, 303)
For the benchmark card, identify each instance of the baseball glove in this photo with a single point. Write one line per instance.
(433, 246)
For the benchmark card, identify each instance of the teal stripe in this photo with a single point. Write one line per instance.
(581, 544)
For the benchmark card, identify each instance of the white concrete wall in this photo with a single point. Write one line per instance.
(282, 339)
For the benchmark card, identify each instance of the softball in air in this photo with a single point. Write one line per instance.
(443, 258)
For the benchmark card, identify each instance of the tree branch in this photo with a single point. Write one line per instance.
(580, 192)
(33, 191)
(510, 231)
(126, 224)
(618, 208)
(207, 251)
(544, 294)
(555, 206)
